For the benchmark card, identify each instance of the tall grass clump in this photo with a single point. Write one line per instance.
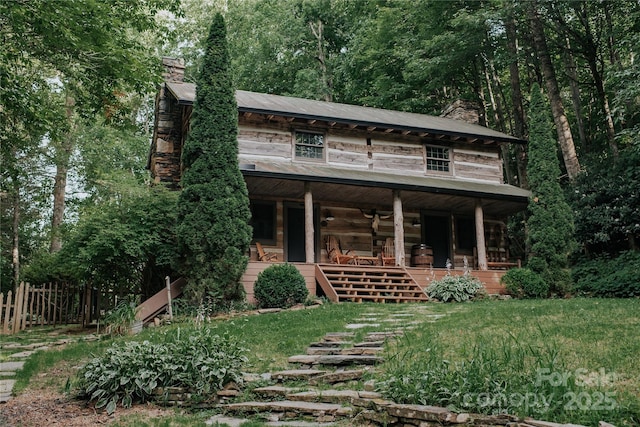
(500, 376)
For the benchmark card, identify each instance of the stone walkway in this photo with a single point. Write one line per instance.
(322, 393)
(19, 353)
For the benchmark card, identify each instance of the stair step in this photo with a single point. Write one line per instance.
(337, 336)
(300, 407)
(344, 351)
(275, 391)
(296, 374)
(333, 396)
(330, 344)
(335, 360)
(339, 376)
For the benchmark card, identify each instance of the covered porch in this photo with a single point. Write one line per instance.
(381, 222)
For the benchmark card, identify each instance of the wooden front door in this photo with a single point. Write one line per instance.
(437, 233)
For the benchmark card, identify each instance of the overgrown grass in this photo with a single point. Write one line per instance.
(558, 360)
(527, 348)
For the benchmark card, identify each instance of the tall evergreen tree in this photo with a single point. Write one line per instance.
(550, 228)
(213, 217)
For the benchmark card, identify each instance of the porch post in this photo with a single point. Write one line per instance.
(481, 248)
(308, 224)
(398, 228)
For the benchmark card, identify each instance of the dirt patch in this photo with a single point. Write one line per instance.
(47, 407)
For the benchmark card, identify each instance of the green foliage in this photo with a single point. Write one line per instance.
(119, 320)
(126, 242)
(608, 277)
(524, 283)
(550, 225)
(503, 376)
(280, 285)
(454, 288)
(606, 203)
(213, 213)
(199, 360)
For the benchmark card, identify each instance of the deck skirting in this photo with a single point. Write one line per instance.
(489, 278)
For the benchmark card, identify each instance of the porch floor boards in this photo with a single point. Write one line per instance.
(364, 283)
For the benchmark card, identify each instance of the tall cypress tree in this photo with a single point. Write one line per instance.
(550, 228)
(213, 212)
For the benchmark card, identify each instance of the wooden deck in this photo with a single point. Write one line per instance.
(421, 276)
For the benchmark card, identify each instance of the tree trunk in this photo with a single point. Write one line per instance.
(15, 248)
(565, 138)
(516, 96)
(63, 154)
(591, 55)
(318, 31)
(498, 116)
(570, 66)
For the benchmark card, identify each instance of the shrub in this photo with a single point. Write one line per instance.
(525, 283)
(455, 288)
(198, 360)
(119, 320)
(280, 286)
(610, 278)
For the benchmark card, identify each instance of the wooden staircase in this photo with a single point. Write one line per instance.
(368, 283)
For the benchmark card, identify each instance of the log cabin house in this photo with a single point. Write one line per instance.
(362, 178)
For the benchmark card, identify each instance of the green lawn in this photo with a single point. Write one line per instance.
(582, 354)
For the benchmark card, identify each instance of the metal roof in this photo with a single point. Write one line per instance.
(317, 173)
(263, 103)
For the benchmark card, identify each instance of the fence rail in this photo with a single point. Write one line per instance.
(48, 304)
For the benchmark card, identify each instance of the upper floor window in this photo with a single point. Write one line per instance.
(309, 145)
(438, 159)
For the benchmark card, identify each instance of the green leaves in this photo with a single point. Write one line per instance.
(550, 226)
(213, 212)
(280, 286)
(128, 372)
(454, 288)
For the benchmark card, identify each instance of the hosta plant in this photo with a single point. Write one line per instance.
(454, 288)
(128, 372)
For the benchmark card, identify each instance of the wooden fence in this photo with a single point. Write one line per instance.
(47, 304)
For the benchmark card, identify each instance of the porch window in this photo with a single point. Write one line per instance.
(309, 146)
(263, 221)
(438, 159)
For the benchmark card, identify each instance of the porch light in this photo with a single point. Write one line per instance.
(415, 223)
(328, 216)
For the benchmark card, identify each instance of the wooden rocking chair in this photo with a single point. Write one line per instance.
(388, 253)
(265, 256)
(335, 253)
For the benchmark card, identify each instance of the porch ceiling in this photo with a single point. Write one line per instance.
(361, 188)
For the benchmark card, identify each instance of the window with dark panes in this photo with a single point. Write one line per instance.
(465, 234)
(438, 159)
(309, 145)
(263, 221)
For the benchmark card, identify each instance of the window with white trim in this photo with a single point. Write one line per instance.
(438, 159)
(309, 146)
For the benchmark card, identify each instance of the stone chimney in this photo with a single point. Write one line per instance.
(465, 111)
(173, 69)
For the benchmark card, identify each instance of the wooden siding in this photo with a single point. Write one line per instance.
(490, 279)
(477, 165)
(260, 140)
(255, 267)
